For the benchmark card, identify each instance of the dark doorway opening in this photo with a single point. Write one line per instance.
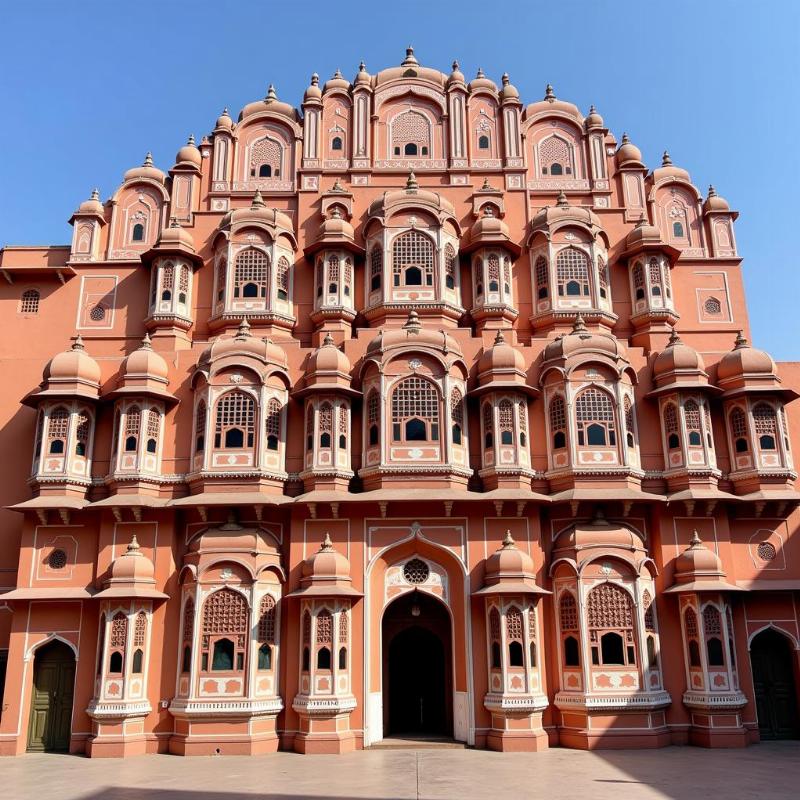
(51, 700)
(417, 671)
(772, 658)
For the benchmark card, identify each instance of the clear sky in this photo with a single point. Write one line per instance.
(88, 87)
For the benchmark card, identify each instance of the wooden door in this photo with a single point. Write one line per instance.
(51, 700)
(774, 686)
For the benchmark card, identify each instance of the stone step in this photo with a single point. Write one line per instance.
(417, 742)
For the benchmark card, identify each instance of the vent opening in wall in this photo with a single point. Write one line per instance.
(57, 559)
(98, 313)
(416, 571)
(766, 551)
(29, 302)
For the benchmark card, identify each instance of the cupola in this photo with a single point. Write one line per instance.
(699, 569)
(326, 573)
(73, 373)
(746, 369)
(147, 170)
(629, 155)
(510, 570)
(189, 154)
(132, 574)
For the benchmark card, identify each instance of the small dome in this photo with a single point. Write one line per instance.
(243, 344)
(338, 81)
(677, 357)
(73, 365)
(258, 212)
(328, 361)
(363, 78)
(714, 202)
(436, 202)
(581, 340)
(313, 92)
(501, 359)
(509, 91)
(562, 211)
(744, 361)
(92, 205)
(490, 230)
(698, 560)
(643, 233)
(133, 566)
(412, 334)
(144, 362)
(550, 105)
(456, 76)
(269, 103)
(669, 170)
(224, 121)
(326, 573)
(584, 540)
(480, 81)
(629, 155)
(593, 120)
(336, 228)
(509, 561)
(175, 235)
(189, 153)
(147, 170)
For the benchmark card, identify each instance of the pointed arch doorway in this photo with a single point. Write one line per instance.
(774, 682)
(417, 667)
(51, 698)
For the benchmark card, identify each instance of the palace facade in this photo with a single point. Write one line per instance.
(415, 410)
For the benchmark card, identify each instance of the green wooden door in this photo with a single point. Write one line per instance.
(51, 700)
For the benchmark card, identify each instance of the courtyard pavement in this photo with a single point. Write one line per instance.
(765, 771)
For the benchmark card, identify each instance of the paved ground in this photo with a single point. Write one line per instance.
(764, 771)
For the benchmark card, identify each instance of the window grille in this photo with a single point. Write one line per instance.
(411, 128)
(266, 620)
(224, 623)
(507, 275)
(450, 266)
(712, 621)
(167, 281)
(375, 268)
(266, 153)
(541, 278)
(200, 429)
(343, 627)
(348, 275)
(82, 421)
(656, 287)
(505, 417)
(153, 429)
(514, 623)
(568, 612)
(324, 627)
(412, 257)
(594, 414)
(572, 272)
(649, 608)
(29, 302)
(638, 281)
(415, 399)
(251, 274)
(488, 424)
(493, 272)
(555, 156)
(670, 418)
(558, 414)
(272, 423)
(494, 624)
(119, 630)
(282, 278)
(691, 623)
(602, 273)
(629, 426)
(333, 274)
(713, 306)
(98, 313)
(235, 412)
(57, 428)
(140, 629)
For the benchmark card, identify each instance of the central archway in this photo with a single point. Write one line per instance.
(51, 700)
(774, 684)
(417, 667)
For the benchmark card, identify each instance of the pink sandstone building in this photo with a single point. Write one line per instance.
(414, 410)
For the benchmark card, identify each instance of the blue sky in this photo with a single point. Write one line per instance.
(89, 87)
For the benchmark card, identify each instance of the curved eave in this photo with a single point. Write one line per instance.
(32, 399)
(327, 243)
(511, 587)
(130, 501)
(321, 388)
(48, 593)
(137, 592)
(325, 591)
(717, 585)
(135, 391)
(171, 252)
(504, 386)
(787, 394)
(50, 501)
(230, 499)
(685, 386)
(651, 247)
(608, 495)
(498, 242)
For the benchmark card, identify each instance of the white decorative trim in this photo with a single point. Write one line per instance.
(612, 702)
(507, 702)
(101, 710)
(323, 706)
(718, 701)
(226, 708)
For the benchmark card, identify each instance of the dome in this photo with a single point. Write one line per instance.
(580, 340)
(480, 81)
(679, 366)
(502, 367)
(582, 541)
(73, 372)
(91, 206)
(147, 170)
(456, 76)
(562, 211)
(714, 202)
(269, 103)
(629, 155)
(133, 566)
(224, 121)
(747, 369)
(438, 205)
(363, 78)
(490, 230)
(328, 369)
(189, 153)
(258, 213)
(243, 345)
(669, 170)
(644, 233)
(313, 92)
(699, 569)
(335, 229)
(326, 573)
(509, 91)
(413, 335)
(145, 362)
(175, 236)
(338, 81)
(593, 120)
(510, 570)
(551, 105)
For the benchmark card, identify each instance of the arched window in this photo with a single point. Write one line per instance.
(325, 425)
(656, 282)
(572, 273)
(324, 642)
(139, 641)
(224, 640)
(333, 274)
(558, 422)
(514, 637)
(415, 411)
(505, 417)
(542, 290)
(167, 281)
(610, 621)
(342, 427)
(629, 424)
(188, 635)
(483, 143)
(411, 134)
(677, 230)
(555, 157)
(522, 411)
(183, 284)
(348, 275)
(457, 415)
(493, 272)
(251, 274)
(82, 422)
(266, 631)
(133, 422)
(594, 415)
(265, 171)
(319, 276)
(29, 302)
(450, 266)
(568, 622)
(306, 641)
(336, 143)
(373, 418)
(265, 158)
(478, 267)
(488, 426)
(412, 260)
(712, 629)
(222, 268)
(494, 636)
(671, 426)
(375, 269)
(200, 428)
(602, 276)
(691, 415)
(282, 278)
(343, 636)
(153, 429)
(117, 643)
(739, 431)
(765, 423)
(272, 424)
(638, 281)
(57, 429)
(137, 235)
(507, 276)
(235, 425)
